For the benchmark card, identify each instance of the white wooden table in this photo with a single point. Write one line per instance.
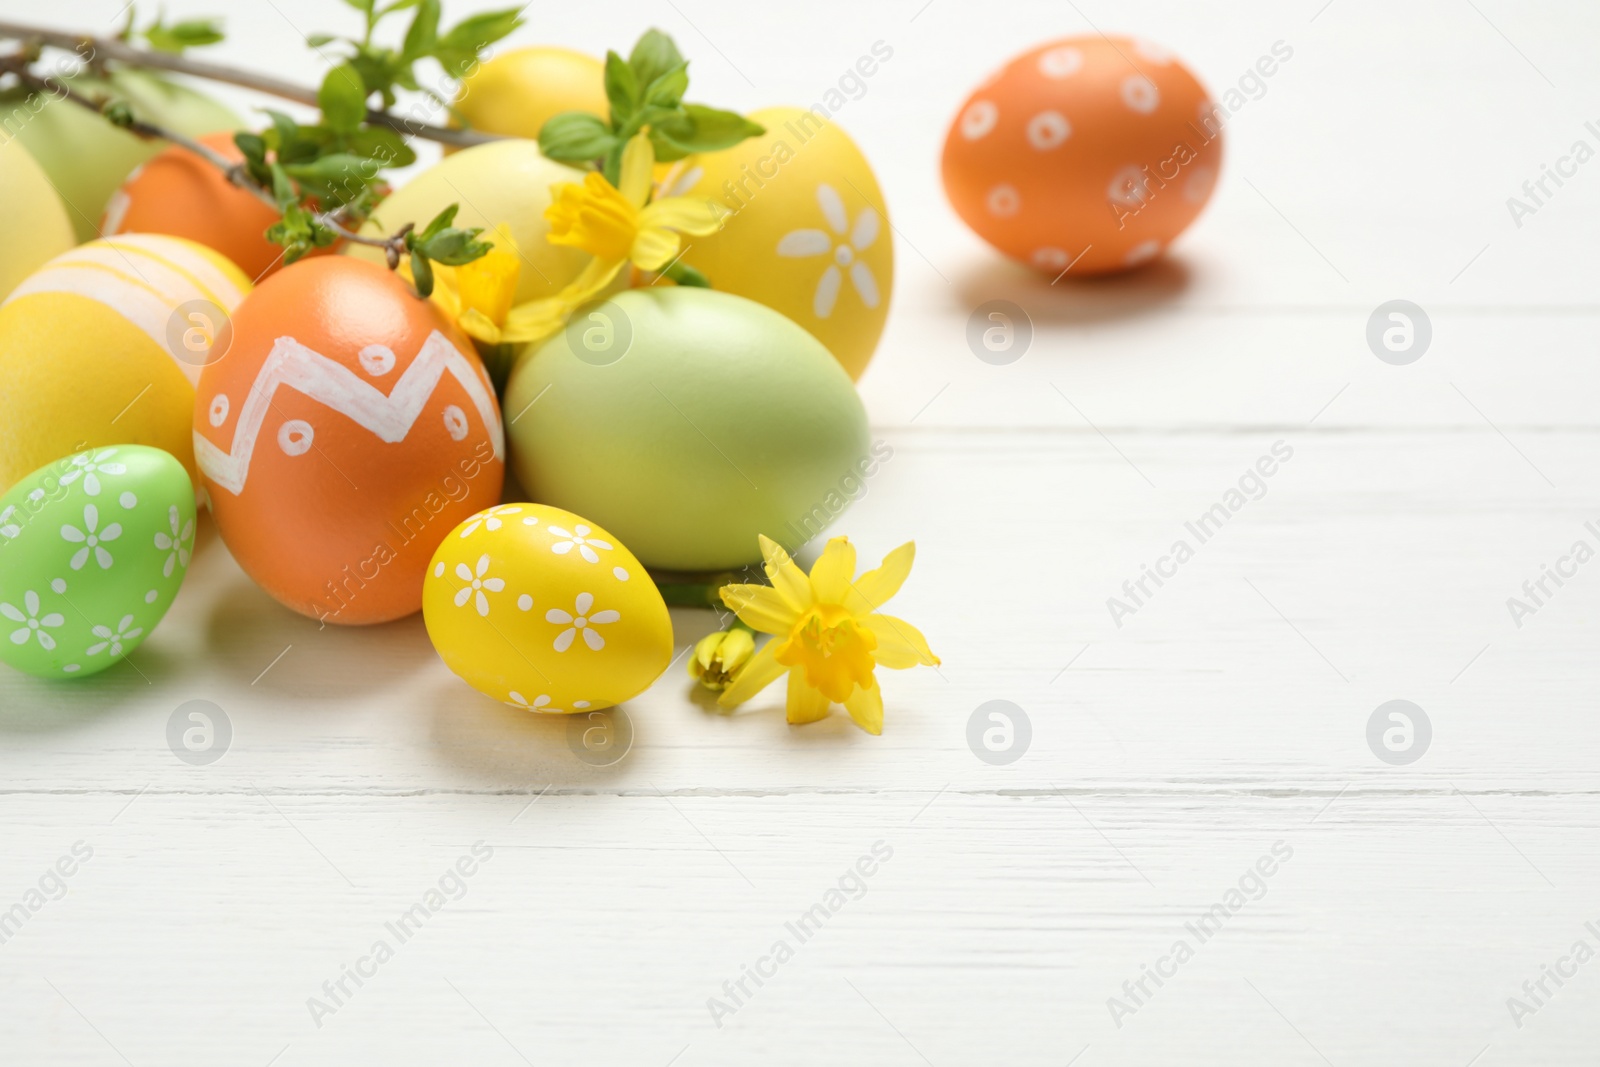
(1227, 716)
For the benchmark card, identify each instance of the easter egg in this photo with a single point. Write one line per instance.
(348, 429)
(515, 93)
(504, 182)
(103, 346)
(31, 217)
(1090, 153)
(93, 548)
(808, 234)
(85, 156)
(541, 609)
(688, 421)
(180, 194)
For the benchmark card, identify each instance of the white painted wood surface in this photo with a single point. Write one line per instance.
(1168, 755)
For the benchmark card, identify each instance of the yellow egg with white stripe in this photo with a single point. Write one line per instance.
(104, 344)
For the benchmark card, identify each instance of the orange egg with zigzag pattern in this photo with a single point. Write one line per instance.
(348, 428)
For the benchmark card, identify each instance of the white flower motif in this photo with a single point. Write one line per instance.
(31, 623)
(580, 621)
(114, 639)
(540, 703)
(91, 538)
(846, 247)
(177, 545)
(88, 465)
(579, 538)
(490, 519)
(476, 584)
(9, 529)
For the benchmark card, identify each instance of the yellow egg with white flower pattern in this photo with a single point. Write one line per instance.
(536, 607)
(808, 230)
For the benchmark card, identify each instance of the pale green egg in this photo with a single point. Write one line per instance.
(688, 421)
(93, 549)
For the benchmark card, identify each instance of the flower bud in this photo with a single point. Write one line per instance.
(717, 657)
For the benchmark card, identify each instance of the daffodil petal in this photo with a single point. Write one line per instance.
(686, 214)
(761, 671)
(538, 319)
(785, 575)
(638, 169)
(654, 248)
(831, 575)
(873, 589)
(760, 608)
(479, 326)
(900, 645)
(866, 708)
(805, 704)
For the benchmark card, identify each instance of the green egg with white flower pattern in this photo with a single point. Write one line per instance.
(93, 549)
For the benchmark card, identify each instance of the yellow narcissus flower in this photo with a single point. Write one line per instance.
(617, 224)
(827, 632)
(477, 296)
(717, 657)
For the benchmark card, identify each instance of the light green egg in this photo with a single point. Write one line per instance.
(688, 421)
(85, 156)
(93, 549)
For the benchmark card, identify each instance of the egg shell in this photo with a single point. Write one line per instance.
(808, 234)
(712, 420)
(103, 346)
(32, 218)
(93, 548)
(182, 195)
(85, 156)
(503, 182)
(541, 609)
(515, 93)
(1090, 153)
(348, 429)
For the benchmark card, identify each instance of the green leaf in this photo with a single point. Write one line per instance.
(653, 55)
(283, 191)
(422, 274)
(383, 145)
(424, 31)
(398, 5)
(457, 51)
(454, 247)
(668, 89)
(335, 168)
(343, 99)
(622, 89)
(575, 137)
(704, 129)
(190, 33)
(363, 6)
(440, 222)
(317, 40)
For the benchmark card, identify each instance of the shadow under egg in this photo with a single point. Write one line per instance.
(1076, 301)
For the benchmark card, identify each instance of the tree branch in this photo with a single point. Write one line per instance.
(109, 48)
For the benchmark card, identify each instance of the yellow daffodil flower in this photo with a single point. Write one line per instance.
(617, 225)
(718, 656)
(477, 296)
(827, 632)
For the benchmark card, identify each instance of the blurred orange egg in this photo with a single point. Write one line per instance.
(348, 428)
(179, 194)
(1088, 153)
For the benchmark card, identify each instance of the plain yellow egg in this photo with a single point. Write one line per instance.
(543, 610)
(517, 92)
(504, 182)
(104, 344)
(32, 217)
(808, 230)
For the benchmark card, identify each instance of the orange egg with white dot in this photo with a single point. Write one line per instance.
(348, 428)
(1086, 155)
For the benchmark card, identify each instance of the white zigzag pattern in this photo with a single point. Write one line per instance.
(390, 417)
